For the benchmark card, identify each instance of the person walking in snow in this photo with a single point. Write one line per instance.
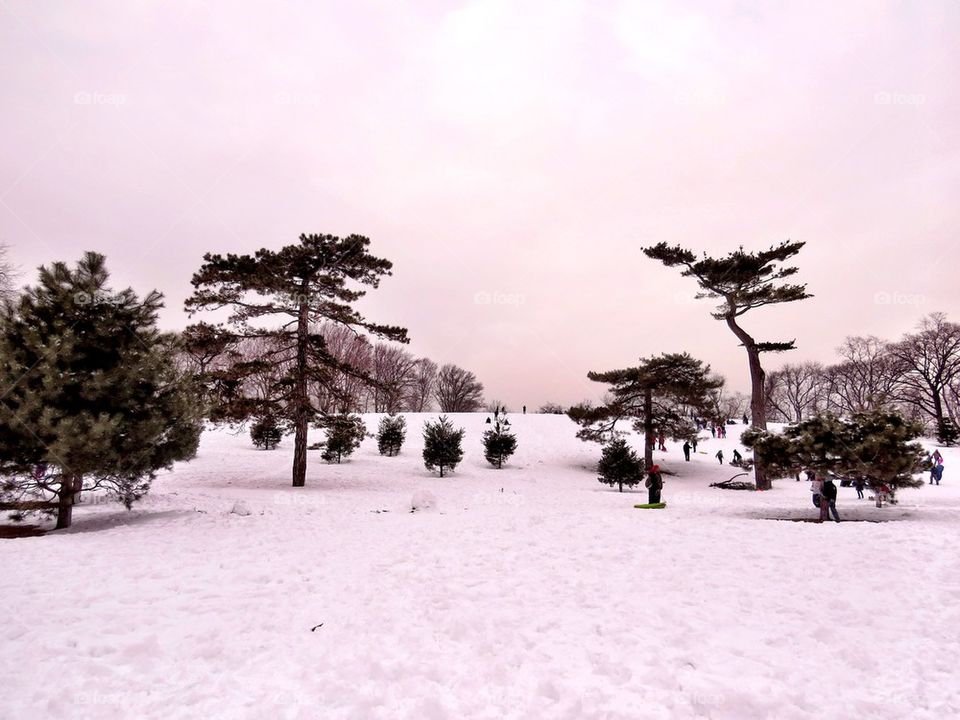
(662, 438)
(937, 457)
(654, 484)
(719, 456)
(859, 485)
(693, 443)
(713, 430)
(828, 501)
(746, 420)
(936, 473)
(686, 450)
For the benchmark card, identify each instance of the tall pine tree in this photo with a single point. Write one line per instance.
(93, 396)
(315, 280)
(743, 281)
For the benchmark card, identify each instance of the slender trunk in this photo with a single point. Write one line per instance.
(648, 428)
(758, 406)
(301, 408)
(69, 485)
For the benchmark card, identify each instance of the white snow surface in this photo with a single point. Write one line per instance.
(529, 592)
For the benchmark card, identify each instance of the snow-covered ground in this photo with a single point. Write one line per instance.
(531, 592)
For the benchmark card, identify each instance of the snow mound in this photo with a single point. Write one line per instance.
(240, 508)
(423, 500)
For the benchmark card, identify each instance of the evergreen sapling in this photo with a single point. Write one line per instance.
(391, 432)
(442, 445)
(498, 442)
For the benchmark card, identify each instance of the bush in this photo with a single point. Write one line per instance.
(619, 465)
(391, 433)
(442, 445)
(498, 442)
(947, 433)
(265, 433)
(345, 432)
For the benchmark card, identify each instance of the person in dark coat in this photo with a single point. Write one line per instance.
(859, 485)
(686, 451)
(719, 456)
(693, 443)
(737, 458)
(654, 484)
(828, 501)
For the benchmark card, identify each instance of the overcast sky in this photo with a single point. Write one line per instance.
(511, 158)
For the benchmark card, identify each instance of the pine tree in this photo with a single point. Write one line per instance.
(93, 395)
(345, 432)
(947, 433)
(305, 284)
(265, 433)
(743, 281)
(660, 394)
(878, 447)
(442, 445)
(391, 432)
(619, 465)
(498, 442)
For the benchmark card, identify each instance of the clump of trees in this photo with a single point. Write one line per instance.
(391, 432)
(619, 465)
(442, 445)
(94, 398)
(499, 443)
(345, 432)
(877, 447)
(918, 375)
(265, 433)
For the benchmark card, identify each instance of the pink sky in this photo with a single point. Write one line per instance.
(516, 152)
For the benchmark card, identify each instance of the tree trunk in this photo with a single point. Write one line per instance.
(65, 500)
(648, 428)
(301, 398)
(758, 404)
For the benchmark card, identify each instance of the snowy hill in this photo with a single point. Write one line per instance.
(529, 592)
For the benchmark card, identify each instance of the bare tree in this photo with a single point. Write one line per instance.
(8, 274)
(797, 391)
(394, 375)
(343, 391)
(930, 365)
(865, 379)
(458, 390)
(424, 386)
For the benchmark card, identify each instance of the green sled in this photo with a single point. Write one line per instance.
(651, 506)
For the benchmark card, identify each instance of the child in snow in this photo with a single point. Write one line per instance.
(662, 440)
(937, 457)
(654, 484)
(828, 501)
(816, 487)
(737, 458)
(936, 473)
(719, 456)
(686, 451)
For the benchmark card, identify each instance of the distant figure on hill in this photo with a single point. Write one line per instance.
(654, 484)
(859, 484)
(693, 443)
(662, 440)
(719, 456)
(524, 409)
(713, 430)
(746, 420)
(686, 450)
